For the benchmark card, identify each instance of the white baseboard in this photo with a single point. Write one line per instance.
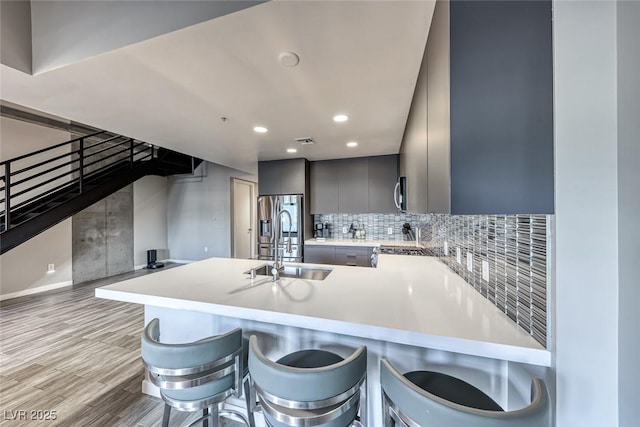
(37, 290)
(150, 389)
(180, 261)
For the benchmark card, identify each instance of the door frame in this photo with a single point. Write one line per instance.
(253, 208)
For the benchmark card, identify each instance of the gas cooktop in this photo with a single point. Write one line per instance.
(406, 250)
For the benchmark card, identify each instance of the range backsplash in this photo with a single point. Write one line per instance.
(515, 248)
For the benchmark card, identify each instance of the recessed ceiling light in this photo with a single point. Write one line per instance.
(352, 144)
(288, 59)
(260, 129)
(340, 118)
(291, 150)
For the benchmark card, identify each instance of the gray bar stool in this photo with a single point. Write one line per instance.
(424, 398)
(309, 387)
(198, 376)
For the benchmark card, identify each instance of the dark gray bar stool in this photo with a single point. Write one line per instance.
(425, 398)
(309, 387)
(198, 376)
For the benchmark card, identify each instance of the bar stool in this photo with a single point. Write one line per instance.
(197, 376)
(424, 398)
(309, 387)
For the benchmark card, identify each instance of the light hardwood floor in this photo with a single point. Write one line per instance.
(70, 352)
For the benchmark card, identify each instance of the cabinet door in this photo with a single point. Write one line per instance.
(501, 107)
(269, 178)
(383, 175)
(292, 176)
(319, 254)
(353, 185)
(324, 187)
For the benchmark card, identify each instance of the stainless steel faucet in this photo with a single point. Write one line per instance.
(278, 265)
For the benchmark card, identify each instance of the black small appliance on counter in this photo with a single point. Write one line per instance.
(152, 257)
(321, 230)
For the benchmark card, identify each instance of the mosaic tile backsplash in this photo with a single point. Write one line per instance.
(514, 247)
(375, 225)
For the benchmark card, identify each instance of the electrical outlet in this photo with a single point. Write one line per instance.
(446, 248)
(344, 230)
(390, 230)
(469, 261)
(206, 248)
(458, 256)
(485, 271)
(51, 268)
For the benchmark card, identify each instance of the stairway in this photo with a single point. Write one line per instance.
(40, 189)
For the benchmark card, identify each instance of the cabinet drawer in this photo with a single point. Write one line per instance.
(353, 255)
(352, 260)
(352, 250)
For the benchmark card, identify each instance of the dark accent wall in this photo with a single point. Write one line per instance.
(501, 107)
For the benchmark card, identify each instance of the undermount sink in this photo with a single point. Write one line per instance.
(295, 272)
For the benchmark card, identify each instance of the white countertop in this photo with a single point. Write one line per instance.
(359, 242)
(409, 300)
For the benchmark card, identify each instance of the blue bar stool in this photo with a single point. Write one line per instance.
(309, 387)
(198, 376)
(425, 398)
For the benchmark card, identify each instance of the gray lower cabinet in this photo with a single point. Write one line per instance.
(357, 256)
(354, 256)
(319, 254)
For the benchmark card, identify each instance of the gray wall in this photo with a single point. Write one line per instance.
(150, 195)
(107, 25)
(628, 34)
(586, 332)
(199, 213)
(15, 34)
(501, 107)
(24, 268)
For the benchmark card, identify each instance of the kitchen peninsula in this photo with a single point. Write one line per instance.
(412, 310)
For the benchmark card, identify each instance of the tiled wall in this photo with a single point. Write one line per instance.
(514, 247)
(375, 225)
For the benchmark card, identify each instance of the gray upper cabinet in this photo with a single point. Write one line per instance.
(268, 178)
(356, 185)
(353, 185)
(293, 176)
(501, 107)
(324, 186)
(479, 136)
(383, 175)
(282, 176)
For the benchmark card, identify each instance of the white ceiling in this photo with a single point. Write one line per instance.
(356, 57)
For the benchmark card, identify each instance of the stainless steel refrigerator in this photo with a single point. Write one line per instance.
(268, 207)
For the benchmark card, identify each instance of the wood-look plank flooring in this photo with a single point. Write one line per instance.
(70, 352)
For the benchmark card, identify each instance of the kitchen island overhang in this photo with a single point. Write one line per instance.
(410, 308)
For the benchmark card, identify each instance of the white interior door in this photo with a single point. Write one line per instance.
(243, 218)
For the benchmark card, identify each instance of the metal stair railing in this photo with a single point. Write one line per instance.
(26, 179)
